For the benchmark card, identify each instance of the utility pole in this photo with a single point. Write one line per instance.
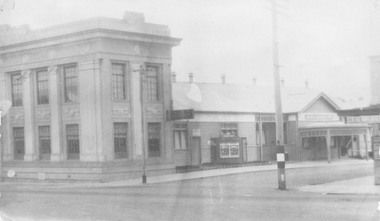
(278, 105)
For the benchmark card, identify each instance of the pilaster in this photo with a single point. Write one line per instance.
(89, 111)
(136, 110)
(104, 96)
(55, 113)
(29, 129)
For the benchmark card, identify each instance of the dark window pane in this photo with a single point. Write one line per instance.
(151, 85)
(121, 140)
(16, 90)
(71, 84)
(18, 143)
(154, 139)
(119, 82)
(72, 140)
(44, 141)
(42, 87)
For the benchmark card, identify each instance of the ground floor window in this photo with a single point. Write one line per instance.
(44, 142)
(72, 141)
(18, 143)
(120, 140)
(180, 136)
(154, 139)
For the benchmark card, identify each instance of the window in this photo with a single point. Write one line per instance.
(18, 143)
(44, 142)
(180, 136)
(229, 130)
(119, 82)
(72, 141)
(154, 139)
(42, 87)
(151, 84)
(16, 82)
(120, 140)
(70, 84)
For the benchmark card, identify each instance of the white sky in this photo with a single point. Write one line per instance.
(327, 42)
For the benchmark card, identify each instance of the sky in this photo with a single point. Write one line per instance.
(325, 42)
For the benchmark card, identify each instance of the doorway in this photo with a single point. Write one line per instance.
(195, 151)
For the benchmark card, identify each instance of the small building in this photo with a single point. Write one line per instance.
(78, 112)
(312, 128)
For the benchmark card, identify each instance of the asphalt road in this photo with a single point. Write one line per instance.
(248, 196)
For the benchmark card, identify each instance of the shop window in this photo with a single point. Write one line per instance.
(180, 136)
(70, 83)
(18, 143)
(229, 150)
(121, 140)
(151, 88)
(154, 139)
(72, 141)
(119, 82)
(229, 130)
(44, 142)
(42, 87)
(16, 81)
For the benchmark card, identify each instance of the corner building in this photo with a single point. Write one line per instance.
(76, 99)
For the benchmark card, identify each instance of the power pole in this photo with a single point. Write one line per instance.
(278, 105)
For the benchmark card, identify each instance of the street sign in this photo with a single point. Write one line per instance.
(180, 114)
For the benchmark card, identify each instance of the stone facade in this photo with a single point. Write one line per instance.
(90, 46)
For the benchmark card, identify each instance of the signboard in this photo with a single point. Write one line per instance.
(318, 117)
(180, 114)
(364, 119)
(229, 150)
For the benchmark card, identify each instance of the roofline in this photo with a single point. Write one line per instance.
(323, 95)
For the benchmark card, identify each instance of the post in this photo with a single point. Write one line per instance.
(277, 99)
(328, 144)
(142, 78)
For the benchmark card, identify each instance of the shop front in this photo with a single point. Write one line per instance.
(334, 142)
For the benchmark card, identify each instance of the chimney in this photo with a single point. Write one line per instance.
(191, 77)
(282, 82)
(254, 81)
(306, 84)
(223, 78)
(133, 17)
(174, 77)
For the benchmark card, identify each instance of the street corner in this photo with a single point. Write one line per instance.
(356, 186)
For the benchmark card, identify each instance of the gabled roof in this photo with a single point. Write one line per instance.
(211, 97)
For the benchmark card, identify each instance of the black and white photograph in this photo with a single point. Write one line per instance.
(192, 110)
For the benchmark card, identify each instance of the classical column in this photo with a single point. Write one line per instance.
(136, 111)
(55, 115)
(167, 125)
(89, 112)
(29, 129)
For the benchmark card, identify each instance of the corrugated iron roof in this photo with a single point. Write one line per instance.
(241, 98)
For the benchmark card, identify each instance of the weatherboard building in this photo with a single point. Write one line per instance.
(313, 130)
(76, 88)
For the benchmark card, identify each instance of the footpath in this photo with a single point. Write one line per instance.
(363, 185)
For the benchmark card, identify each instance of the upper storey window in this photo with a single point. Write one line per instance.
(42, 87)
(16, 82)
(151, 88)
(70, 76)
(119, 82)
